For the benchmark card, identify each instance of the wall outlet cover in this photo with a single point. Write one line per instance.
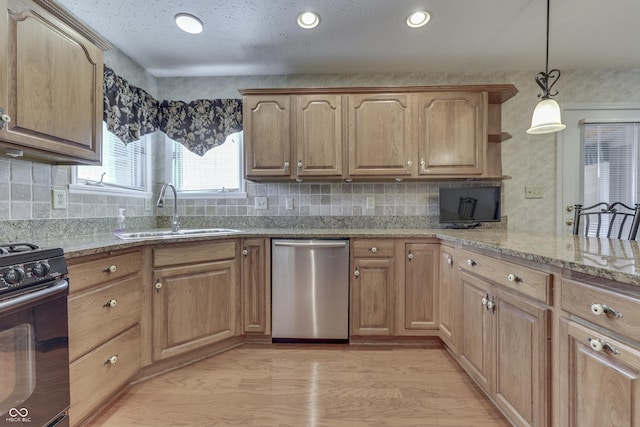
(59, 199)
(147, 205)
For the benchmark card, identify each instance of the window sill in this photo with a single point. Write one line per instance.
(106, 190)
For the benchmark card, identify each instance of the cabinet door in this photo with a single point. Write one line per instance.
(598, 388)
(380, 134)
(50, 85)
(418, 293)
(318, 135)
(256, 287)
(195, 306)
(476, 331)
(372, 296)
(448, 297)
(267, 141)
(452, 133)
(521, 377)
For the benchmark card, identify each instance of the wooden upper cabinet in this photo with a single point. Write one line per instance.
(50, 86)
(381, 128)
(318, 136)
(452, 137)
(267, 140)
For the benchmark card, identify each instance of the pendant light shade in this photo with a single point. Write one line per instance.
(546, 118)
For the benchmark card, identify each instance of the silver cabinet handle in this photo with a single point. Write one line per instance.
(111, 269)
(471, 263)
(514, 278)
(600, 345)
(374, 249)
(299, 166)
(4, 118)
(450, 260)
(158, 285)
(600, 309)
(409, 164)
(286, 165)
(423, 164)
(356, 273)
(111, 303)
(410, 256)
(245, 252)
(112, 360)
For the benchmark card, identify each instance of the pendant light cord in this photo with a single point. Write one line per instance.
(546, 66)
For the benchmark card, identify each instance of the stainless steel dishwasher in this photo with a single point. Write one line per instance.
(310, 290)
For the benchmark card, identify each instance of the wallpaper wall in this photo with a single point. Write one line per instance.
(25, 187)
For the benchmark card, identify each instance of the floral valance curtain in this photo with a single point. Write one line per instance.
(130, 112)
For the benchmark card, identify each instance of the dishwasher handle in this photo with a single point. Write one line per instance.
(312, 245)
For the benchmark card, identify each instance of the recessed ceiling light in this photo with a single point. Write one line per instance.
(418, 19)
(189, 23)
(308, 20)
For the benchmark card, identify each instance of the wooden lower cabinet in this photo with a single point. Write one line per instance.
(105, 348)
(373, 291)
(505, 349)
(599, 387)
(448, 297)
(256, 286)
(418, 289)
(193, 306)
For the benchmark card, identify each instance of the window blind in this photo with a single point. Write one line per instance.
(218, 170)
(610, 162)
(123, 166)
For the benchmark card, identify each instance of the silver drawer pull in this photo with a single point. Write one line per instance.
(600, 309)
(112, 360)
(471, 263)
(600, 345)
(111, 269)
(374, 249)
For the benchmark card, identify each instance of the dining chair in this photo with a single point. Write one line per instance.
(616, 220)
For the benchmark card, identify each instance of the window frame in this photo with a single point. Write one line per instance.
(169, 176)
(80, 186)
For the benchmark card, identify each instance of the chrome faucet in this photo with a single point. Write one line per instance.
(175, 225)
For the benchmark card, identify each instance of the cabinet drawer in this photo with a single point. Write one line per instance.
(84, 273)
(100, 314)
(373, 248)
(94, 379)
(532, 283)
(194, 253)
(578, 298)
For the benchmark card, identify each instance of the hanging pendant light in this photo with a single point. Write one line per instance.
(546, 116)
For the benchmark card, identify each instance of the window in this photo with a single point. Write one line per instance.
(124, 167)
(610, 162)
(218, 171)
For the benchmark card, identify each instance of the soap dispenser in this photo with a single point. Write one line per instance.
(120, 221)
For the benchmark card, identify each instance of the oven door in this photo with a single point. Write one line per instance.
(34, 357)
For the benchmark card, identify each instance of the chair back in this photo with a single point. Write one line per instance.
(615, 220)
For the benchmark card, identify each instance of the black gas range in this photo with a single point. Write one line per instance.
(34, 338)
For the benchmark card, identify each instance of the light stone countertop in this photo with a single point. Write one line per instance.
(606, 258)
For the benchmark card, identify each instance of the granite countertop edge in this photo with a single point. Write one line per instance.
(570, 252)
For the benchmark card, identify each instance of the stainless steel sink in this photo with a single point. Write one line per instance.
(168, 234)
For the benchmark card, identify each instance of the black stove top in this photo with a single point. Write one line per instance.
(23, 265)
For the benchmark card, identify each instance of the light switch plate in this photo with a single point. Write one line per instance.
(533, 192)
(261, 203)
(371, 202)
(59, 199)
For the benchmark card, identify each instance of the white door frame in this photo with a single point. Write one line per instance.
(568, 150)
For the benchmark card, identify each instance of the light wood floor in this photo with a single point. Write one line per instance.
(309, 385)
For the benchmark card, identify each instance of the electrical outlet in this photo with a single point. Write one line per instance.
(371, 202)
(533, 192)
(147, 205)
(59, 199)
(261, 203)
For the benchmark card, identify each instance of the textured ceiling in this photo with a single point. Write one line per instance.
(259, 37)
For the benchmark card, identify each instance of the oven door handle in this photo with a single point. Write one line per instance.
(33, 297)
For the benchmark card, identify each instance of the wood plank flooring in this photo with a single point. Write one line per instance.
(309, 385)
